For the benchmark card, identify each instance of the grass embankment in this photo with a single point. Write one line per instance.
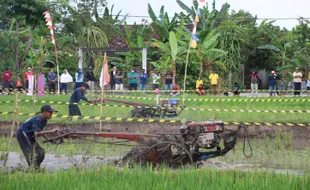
(104, 177)
(190, 115)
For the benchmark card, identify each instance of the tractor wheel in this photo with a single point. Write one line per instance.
(170, 153)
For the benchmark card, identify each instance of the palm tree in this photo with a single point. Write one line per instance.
(94, 37)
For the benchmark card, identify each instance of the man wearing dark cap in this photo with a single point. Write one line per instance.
(77, 95)
(27, 132)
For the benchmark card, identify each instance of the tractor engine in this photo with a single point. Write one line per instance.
(203, 134)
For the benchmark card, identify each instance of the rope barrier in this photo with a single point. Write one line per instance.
(149, 120)
(155, 107)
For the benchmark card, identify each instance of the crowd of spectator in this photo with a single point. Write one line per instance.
(140, 80)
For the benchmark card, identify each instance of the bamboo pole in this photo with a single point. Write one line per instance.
(185, 73)
(15, 117)
(102, 80)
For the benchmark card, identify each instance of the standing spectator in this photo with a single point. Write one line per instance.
(79, 78)
(282, 86)
(254, 82)
(118, 79)
(65, 79)
(168, 80)
(143, 80)
(7, 77)
(272, 83)
(213, 77)
(76, 97)
(27, 74)
(199, 87)
(133, 79)
(297, 81)
(51, 77)
(19, 83)
(112, 75)
(236, 89)
(90, 79)
(308, 84)
(155, 79)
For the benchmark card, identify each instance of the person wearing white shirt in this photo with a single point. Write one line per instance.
(65, 79)
(297, 81)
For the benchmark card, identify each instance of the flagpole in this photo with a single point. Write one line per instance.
(185, 74)
(56, 55)
(102, 86)
(49, 23)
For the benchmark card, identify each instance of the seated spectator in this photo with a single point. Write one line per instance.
(236, 89)
(199, 87)
(19, 83)
(226, 92)
(175, 90)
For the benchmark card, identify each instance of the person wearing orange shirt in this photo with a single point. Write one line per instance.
(19, 83)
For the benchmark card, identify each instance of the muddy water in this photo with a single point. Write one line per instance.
(54, 162)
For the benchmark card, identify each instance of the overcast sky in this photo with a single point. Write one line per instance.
(261, 8)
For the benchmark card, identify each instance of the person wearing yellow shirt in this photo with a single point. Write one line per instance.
(213, 81)
(199, 87)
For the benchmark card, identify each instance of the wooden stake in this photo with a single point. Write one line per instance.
(12, 129)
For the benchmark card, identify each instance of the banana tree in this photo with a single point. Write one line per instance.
(170, 52)
(162, 25)
(280, 43)
(209, 54)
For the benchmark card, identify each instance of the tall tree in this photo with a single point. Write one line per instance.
(25, 12)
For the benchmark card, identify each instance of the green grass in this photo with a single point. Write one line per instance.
(104, 177)
(189, 115)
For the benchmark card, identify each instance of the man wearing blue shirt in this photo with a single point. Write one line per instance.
(26, 136)
(77, 95)
(143, 80)
(51, 77)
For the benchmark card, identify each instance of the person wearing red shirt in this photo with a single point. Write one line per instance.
(175, 90)
(29, 72)
(7, 77)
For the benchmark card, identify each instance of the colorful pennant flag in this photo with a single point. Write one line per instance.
(193, 43)
(49, 23)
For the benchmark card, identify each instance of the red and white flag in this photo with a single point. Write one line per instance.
(49, 23)
(105, 75)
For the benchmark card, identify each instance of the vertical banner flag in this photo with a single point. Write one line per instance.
(105, 75)
(49, 23)
(194, 39)
(30, 85)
